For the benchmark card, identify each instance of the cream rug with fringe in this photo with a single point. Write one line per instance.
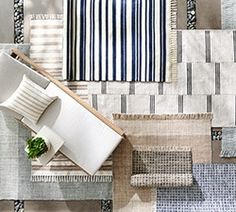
(61, 169)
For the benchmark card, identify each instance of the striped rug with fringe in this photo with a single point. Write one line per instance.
(46, 36)
(120, 40)
(61, 169)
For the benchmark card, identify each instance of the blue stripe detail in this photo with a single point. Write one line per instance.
(133, 42)
(123, 41)
(91, 39)
(68, 35)
(146, 41)
(81, 39)
(162, 40)
(93, 17)
(154, 44)
(114, 37)
(100, 39)
(107, 50)
(150, 41)
(140, 40)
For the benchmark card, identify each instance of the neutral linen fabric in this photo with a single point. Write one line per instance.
(120, 40)
(61, 169)
(208, 14)
(127, 198)
(6, 206)
(6, 20)
(213, 190)
(161, 166)
(63, 206)
(228, 148)
(193, 130)
(29, 100)
(46, 35)
(181, 14)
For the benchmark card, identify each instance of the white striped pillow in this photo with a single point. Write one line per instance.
(29, 100)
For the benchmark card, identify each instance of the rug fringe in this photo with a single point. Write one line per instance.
(196, 116)
(173, 56)
(228, 153)
(162, 148)
(55, 179)
(173, 14)
(46, 16)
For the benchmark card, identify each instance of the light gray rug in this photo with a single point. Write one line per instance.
(17, 184)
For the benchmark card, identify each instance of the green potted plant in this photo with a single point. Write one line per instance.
(36, 146)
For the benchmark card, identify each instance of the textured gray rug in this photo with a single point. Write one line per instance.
(17, 184)
(213, 190)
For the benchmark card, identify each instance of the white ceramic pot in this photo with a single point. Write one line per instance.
(48, 143)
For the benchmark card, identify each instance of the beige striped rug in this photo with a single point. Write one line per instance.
(61, 169)
(46, 42)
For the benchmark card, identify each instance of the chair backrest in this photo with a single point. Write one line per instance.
(11, 74)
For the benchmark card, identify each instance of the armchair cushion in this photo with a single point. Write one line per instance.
(29, 100)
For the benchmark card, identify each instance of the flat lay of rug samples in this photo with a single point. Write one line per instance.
(157, 117)
(120, 40)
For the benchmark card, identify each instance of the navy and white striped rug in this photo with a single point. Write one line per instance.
(119, 40)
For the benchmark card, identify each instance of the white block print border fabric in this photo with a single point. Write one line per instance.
(119, 40)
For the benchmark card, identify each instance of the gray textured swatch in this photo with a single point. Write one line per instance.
(209, 103)
(180, 104)
(152, 103)
(228, 148)
(160, 88)
(94, 101)
(189, 78)
(103, 87)
(234, 40)
(217, 78)
(132, 88)
(208, 46)
(179, 47)
(123, 104)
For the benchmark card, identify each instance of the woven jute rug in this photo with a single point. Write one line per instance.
(192, 130)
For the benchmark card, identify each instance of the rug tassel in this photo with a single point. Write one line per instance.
(56, 179)
(46, 16)
(227, 154)
(117, 116)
